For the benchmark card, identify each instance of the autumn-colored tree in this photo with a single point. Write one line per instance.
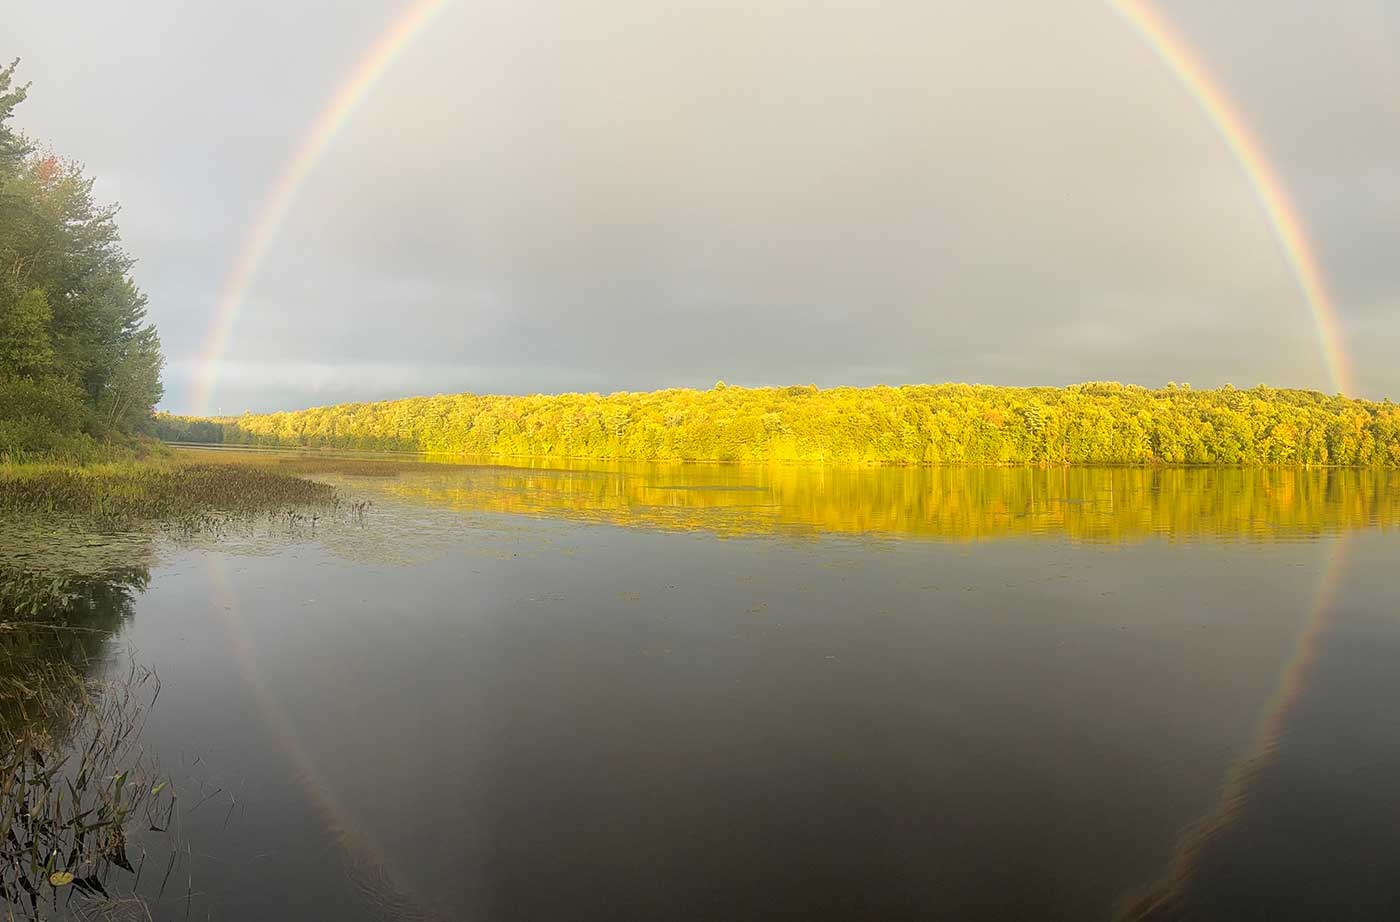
(1093, 423)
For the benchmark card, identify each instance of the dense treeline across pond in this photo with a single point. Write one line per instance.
(79, 364)
(1095, 423)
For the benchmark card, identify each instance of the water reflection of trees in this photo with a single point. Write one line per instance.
(54, 628)
(957, 503)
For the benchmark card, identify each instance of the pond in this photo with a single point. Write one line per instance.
(705, 692)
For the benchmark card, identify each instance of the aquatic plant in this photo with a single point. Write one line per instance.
(73, 782)
(114, 495)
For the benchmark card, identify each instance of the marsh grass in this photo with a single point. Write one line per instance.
(182, 497)
(72, 778)
(80, 804)
(74, 783)
(152, 490)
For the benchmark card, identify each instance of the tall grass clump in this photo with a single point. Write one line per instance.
(151, 491)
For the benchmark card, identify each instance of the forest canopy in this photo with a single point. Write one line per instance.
(1094, 423)
(79, 364)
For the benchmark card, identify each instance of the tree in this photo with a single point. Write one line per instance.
(72, 321)
(134, 386)
(1095, 423)
(25, 350)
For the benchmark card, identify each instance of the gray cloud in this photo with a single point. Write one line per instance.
(625, 195)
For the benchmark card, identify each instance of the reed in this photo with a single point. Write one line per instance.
(118, 494)
(73, 785)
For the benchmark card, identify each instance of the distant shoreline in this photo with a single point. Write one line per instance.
(1098, 423)
(558, 462)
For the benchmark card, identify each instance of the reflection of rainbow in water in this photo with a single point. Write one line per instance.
(1284, 221)
(1267, 737)
(370, 868)
(1299, 666)
(1294, 677)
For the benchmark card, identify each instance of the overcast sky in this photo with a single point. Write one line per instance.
(626, 194)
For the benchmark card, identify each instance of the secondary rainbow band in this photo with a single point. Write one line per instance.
(279, 200)
(1284, 220)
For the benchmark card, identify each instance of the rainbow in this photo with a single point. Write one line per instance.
(1235, 791)
(1283, 217)
(373, 870)
(318, 138)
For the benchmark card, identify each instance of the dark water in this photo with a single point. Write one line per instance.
(728, 693)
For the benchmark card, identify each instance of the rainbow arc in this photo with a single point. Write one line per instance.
(1284, 221)
(283, 193)
(1283, 218)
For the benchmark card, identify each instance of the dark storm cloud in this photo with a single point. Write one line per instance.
(625, 195)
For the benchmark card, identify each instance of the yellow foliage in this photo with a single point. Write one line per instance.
(1095, 423)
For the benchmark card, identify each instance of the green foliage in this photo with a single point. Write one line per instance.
(1094, 423)
(169, 427)
(78, 361)
(25, 348)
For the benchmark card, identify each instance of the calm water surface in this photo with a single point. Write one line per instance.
(731, 693)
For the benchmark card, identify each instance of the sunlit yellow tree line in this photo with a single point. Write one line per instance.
(1096, 423)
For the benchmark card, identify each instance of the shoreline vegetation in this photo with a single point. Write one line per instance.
(80, 363)
(152, 490)
(52, 513)
(64, 711)
(1091, 423)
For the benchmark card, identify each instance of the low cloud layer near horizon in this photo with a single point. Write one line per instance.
(547, 196)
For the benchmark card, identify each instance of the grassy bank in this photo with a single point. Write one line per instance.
(1096, 423)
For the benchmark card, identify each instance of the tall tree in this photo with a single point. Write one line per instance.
(73, 328)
